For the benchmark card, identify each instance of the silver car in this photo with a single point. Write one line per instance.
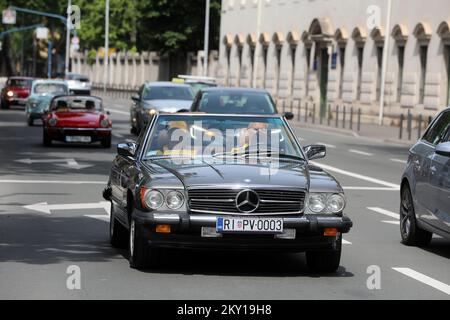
(425, 189)
(155, 97)
(78, 84)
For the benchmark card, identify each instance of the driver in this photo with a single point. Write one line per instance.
(249, 136)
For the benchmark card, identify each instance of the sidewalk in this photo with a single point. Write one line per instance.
(388, 134)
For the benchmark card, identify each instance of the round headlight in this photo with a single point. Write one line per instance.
(174, 200)
(154, 199)
(152, 112)
(317, 202)
(10, 94)
(336, 203)
(52, 122)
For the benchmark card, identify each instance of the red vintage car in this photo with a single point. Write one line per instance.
(16, 91)
(77, 119)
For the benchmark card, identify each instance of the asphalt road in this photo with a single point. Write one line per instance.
(52, 217)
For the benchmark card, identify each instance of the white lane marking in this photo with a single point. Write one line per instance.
(67, 163)
(118, 135)
(44, 207)
(51, 182)
(369, 189)
(119, 112)
(99, 217)
(346, 242)
(327, 145)
(356, 175)
(397, 223)
(385, 212)
(438, 285)
(361, 152)
(399, 161)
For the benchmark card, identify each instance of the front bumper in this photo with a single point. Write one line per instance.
(16, 101)
(96, 134)
(186, 232)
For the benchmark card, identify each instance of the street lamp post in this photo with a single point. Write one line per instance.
(106, 58)
(68, 28)
(258, 44)
(385, 61)
(206, 49)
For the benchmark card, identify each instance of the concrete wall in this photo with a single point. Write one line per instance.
(334, 23)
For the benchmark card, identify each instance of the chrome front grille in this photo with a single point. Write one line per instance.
(223, 201)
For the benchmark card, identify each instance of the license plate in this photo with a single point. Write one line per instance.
(84, 139)
(249, 225)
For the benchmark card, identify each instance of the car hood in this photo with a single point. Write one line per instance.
(200, 173)
(172, 106)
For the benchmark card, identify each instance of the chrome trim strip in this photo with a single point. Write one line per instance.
(82, 129)
(167, 218)
(212, 200)
(280, 201)
(256, 214)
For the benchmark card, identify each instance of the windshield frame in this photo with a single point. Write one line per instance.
(141, 156)
(49, 84)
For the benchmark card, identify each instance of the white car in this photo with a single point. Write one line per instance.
(78, 84)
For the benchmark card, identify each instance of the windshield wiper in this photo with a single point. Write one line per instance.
(275, 153)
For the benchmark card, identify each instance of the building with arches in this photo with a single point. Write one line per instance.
(331, 52)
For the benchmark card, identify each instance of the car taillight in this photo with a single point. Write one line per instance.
(105, 123)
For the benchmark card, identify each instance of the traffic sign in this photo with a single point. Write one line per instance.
(9, 16)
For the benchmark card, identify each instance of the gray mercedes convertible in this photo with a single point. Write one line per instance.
(224, 182)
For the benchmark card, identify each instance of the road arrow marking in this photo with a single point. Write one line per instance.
(66, 163)
(44, 207)
(99, 217)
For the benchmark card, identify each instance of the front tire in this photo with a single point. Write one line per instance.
(141, 254)
(326, 261)
(118, 235)
(4, 105)
(106, 143)
(30, 121)
(46, 140)
(410, 232)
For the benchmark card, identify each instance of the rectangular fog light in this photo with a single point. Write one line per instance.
(288, 234)
(210, 233)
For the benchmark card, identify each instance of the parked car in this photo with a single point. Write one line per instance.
(263, 198)
(77, 119)
(197, 83)
(15, 91)
(42, 93)
(156, 97)
(425, 189)
(78, 84)
(236, 101)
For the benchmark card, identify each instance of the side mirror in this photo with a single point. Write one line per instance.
(135, 98)
(443, 149)
(315, 152)
(289, 115)
(127, 149)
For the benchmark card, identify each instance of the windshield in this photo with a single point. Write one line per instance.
(168, 93)
(77, 77)
(76, 104)
(51, 88)
(217, 136)
(20, 83)
(237, 102)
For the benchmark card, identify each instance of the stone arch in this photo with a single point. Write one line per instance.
(444, 30)
(251, 39)
(293, 38)
(378, 35)
(400, 33)
(228, 40)
(239, 40)
(321, 27)
(341, 36)
(423, 31)
(264, 39)
(278, 38)
(359, 35)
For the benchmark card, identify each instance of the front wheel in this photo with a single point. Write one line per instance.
(411, 234)
(326, 261)
(118, 235)
(46, 140)
(106, 143)
(142, 255)
(4, 104)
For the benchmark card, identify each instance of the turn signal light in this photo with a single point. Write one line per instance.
(330, 232)
(163, 228)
